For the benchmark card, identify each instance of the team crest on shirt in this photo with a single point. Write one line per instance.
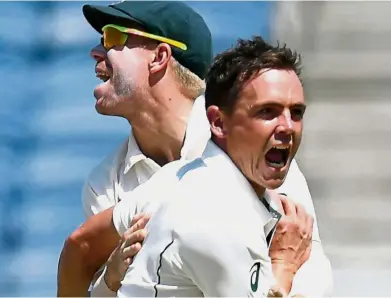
(262, 269)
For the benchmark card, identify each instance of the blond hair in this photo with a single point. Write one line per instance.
(191, 84)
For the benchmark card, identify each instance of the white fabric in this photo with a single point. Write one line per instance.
(207, 233)
(127, 168)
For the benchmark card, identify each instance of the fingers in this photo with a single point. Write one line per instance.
(276, 198)
(136, 218)
(310, 224)
(288, 206)
(132, 239)
(138, 224)
(307, 252)
(137, 236)
(139, 216)
(300, 211)
(129, 252)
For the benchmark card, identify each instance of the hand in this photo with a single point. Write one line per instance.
(292, 241)
(122, 256)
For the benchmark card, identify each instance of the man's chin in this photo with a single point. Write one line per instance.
(268, 183)
(274, 184)
(102, 110)
(274, 180)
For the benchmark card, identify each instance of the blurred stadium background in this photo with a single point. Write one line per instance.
(51, 136)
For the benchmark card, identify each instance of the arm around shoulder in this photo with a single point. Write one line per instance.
(84, 252)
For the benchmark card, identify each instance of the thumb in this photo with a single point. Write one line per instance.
(275, 200)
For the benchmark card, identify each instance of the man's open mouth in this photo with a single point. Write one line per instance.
(104, 76)
(277, 156)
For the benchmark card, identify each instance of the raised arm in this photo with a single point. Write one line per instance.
(88, 248)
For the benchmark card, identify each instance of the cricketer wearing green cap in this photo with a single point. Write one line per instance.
(152, 59)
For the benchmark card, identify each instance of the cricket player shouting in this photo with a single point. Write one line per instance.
(209, 235)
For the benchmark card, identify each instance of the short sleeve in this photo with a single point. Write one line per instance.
(98, 192)
(94, 202)
(123, 213)
(146, 198)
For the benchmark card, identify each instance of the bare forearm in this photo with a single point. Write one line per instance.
(84, 253)
(74, 277)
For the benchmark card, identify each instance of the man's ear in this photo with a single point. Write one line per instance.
(162, 55)
(216, 120)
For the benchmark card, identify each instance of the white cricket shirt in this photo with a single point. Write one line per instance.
(128, 167)
(207, 236)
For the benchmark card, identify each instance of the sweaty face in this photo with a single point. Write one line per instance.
(264, 130)
(124, 72)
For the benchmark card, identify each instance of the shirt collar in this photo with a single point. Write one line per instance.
(197, 131)
(269, 215)
(275, 215)
(196, 137)
(134, 154)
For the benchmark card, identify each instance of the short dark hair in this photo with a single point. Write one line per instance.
(231, 69)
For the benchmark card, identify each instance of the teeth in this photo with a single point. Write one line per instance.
(281, 146)
(102, 74)
(276, 165)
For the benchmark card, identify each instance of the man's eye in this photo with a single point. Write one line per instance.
(267, 113)
(297, 113)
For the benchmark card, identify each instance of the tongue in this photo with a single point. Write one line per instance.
(274, 155)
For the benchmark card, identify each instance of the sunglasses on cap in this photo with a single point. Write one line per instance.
(114, 35)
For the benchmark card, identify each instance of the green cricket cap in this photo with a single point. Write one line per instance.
(171, 19)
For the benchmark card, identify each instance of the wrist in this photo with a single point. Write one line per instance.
(284, 275)
(276, 291)
(113, 285)
(284, 267)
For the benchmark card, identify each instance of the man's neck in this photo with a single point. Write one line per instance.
(259, 190)
(160, 135)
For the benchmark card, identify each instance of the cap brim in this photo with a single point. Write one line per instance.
(99, 16)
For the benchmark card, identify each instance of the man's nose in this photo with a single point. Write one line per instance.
(285, 125)
(98, 53)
